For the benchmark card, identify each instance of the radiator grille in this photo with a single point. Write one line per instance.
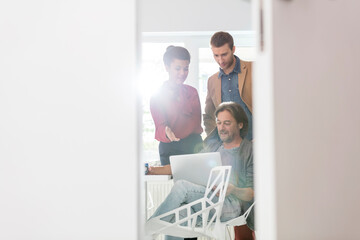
(157, 192)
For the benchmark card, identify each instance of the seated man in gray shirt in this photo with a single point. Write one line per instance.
(236, 151)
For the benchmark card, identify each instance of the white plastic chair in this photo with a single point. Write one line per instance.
(211, 226)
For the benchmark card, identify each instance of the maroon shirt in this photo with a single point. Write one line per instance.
(178, 107)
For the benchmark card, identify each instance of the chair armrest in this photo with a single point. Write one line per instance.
(241, 220)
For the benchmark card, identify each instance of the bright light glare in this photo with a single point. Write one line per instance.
(153, 73)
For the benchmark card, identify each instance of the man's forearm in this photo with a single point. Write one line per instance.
(161, 170)
(244, 194)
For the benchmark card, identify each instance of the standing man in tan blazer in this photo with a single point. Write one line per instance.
(233, 82)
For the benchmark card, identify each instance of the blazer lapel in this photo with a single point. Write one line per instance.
(217, 99)
(241, 77)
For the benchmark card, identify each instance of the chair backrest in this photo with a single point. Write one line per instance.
(218, 182)
(213, 200)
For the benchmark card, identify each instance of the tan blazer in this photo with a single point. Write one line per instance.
(213, 97)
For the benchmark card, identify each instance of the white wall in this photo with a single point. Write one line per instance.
(311, 58)
(194, 15)
(68, 155)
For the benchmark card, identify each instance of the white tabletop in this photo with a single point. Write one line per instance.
(148, 178)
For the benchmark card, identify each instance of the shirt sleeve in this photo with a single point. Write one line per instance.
(198, 108)
(160, 120)
(250, 172)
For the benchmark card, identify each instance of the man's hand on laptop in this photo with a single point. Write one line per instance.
(229, 189)
(244, 194)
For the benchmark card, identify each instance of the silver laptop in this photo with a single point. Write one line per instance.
(194, 168)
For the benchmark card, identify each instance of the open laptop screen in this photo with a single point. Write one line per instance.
(194, 168)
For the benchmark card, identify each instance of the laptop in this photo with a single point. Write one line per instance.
(194, 168)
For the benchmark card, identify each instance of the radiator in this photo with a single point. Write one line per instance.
(156, 193)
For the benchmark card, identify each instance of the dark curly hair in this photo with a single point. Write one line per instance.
(175, 52)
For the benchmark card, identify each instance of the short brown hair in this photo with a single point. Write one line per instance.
(175, 52)
(219, 39)
(237, 112)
